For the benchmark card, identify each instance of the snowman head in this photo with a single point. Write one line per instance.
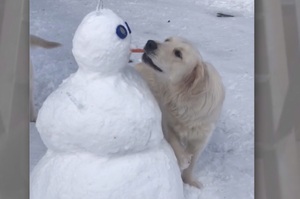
(102, 42)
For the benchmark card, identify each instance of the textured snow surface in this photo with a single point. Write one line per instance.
(226, 167)
(239, 7)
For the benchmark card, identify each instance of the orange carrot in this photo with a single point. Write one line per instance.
(137, 50)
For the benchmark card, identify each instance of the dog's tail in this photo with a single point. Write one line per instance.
(36, 41)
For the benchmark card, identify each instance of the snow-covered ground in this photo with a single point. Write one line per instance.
(226, 167)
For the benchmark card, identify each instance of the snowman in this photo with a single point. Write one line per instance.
(102, 126)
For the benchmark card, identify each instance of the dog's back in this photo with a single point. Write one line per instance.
(36, 41)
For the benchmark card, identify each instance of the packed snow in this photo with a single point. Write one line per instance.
(102, 121)
(226, 168)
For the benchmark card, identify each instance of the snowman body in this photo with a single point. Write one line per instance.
(102, 126)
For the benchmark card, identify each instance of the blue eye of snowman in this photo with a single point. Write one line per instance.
(121, 31)
(128, 27)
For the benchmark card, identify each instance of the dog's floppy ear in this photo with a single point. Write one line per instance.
(196, 80)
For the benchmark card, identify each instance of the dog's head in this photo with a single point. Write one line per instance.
(175, 59)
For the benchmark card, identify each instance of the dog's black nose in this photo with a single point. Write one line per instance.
(150, 45)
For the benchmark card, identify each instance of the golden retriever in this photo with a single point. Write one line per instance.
(190, 93)
(37, 42)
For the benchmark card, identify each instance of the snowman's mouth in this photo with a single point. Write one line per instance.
(147, 60)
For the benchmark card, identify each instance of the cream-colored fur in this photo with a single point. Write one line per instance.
(190, 93)
(37, 42)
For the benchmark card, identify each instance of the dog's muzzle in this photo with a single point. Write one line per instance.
(147, 60)
(150, 46)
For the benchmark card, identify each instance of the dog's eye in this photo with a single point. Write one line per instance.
(121, 31)
(167, 40)
(177, 53)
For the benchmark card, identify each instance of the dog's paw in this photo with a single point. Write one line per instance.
(194, 183)
(185, 161)
(191, 181)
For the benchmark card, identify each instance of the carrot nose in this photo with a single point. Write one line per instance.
(137, 50)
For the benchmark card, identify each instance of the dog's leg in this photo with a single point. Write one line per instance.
(195, 146)
(32, 109)
(187, 174)
(183, 158)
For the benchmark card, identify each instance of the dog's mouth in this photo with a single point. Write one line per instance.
(147, 60)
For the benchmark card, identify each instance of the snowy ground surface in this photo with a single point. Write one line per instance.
(226, 167)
